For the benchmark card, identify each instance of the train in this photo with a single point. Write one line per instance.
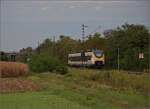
(87, 58)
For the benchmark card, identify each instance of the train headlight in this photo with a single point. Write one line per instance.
(92, 61)
(103, 62)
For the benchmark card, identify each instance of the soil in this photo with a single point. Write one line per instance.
(8, 85)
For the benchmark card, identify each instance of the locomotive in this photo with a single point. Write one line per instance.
(89, 58)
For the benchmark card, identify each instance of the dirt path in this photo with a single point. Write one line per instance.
(17, 85)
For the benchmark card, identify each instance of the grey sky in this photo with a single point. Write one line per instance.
(25, 23)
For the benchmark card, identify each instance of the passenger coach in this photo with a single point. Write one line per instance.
(86, 58)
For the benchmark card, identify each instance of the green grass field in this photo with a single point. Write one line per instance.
(73, 91)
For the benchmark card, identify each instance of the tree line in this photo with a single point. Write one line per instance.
(131, 40)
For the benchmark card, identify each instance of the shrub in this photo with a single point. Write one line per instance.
(12, 69)
(62, 69)
(44, 62)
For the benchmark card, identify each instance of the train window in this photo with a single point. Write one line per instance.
(89, 58)
(86, 58)
(78, 58)
(98, 54)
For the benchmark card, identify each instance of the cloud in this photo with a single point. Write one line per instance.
(78, 6)
(44, 8)
(92, 1)
(88, 6)
(97, 8)
(72, 7)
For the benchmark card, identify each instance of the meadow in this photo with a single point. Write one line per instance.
(82, 89)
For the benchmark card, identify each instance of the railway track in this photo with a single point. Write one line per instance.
(125, 71)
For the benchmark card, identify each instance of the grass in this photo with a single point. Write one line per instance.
(74, 91)
(35, 100)
(120, 80)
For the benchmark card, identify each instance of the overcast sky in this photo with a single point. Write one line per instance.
(25, 23)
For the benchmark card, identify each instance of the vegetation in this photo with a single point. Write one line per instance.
(36, 100)
(44, 62)
(115, 79)
(3, 56)
(131, 40)
(78, 89)
(13, 69)
(25, 53)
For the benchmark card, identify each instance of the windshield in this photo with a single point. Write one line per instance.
(98, 54)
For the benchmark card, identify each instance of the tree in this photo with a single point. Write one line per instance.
(132, 40)
(95, 42)
(3, 56)
(47, 46)
(64, 46)
(24, 53)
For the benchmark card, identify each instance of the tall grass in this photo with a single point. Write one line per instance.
(120, 80)
(12, 69)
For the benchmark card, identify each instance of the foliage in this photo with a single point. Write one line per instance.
(46, 46)
(3, 56)
(120, 80)
(95, 42)
(62, 69)
(64, 46)
(129, 38)
(24, 53)
(44, 62)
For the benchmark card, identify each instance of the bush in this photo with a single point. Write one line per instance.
(44, 62)
(62, 69)
(13, 69)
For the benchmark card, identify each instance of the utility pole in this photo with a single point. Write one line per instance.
(83, 32)
(118, 59)
(83, 37)
(38, 47)
(53, 45)
(53, 38)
